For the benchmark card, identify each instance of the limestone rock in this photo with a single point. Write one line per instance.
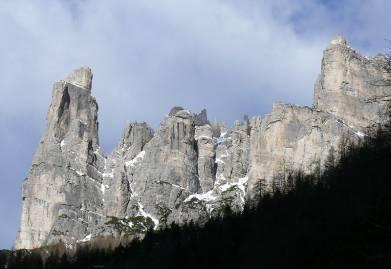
(62, 196)
(232, 152)
(291, 139)
(81, 77)
(201, 118)
(206, 157)
(119, 166)
(240, 148)
(339, 40)
(352, 86)
(189, 169)
(167, 174)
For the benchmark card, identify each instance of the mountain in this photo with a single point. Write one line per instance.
(189, 169)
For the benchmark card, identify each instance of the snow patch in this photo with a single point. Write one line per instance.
(130, 224)
(93, 180)
(83, 122)
(147, 215)
(177, 186)
(172, 184)
(108, 174)
(102, 188)
(99, 153)
(80, 173)
(220, 177)
(210, 196)
(133, 193)
(360, 134)
(222, 138)
(76, 84)
(240, 184)
(85, 239)
(353, 129)
(206, 196)
(82, 220)
(218, 160)
(62, 144)
(224, 155)
(136, 159)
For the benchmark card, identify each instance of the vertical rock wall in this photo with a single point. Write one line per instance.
(189, 169)
(62, 197)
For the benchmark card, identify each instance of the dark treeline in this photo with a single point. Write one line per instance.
(340, 219)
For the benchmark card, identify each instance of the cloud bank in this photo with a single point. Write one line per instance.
(231, 57)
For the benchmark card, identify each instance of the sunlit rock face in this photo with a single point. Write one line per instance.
(289, 139)
(351, 86)
(119, 168)
(62, 197)
(189, 169)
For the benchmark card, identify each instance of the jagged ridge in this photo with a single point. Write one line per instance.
(189, 169)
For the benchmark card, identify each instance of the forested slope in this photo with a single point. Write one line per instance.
(340, 219)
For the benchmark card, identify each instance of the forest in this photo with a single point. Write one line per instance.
(340, 218)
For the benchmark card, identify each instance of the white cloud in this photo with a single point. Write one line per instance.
(150, 55)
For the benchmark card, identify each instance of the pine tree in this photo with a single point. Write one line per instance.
(52, 262)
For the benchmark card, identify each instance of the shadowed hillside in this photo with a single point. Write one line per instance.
(339, 219)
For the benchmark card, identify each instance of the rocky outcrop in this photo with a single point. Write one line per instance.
(168, 172)
(206, 157)
(119, 168)
(290, 139)
(62, 197)
(350, 98)
(352, 87)
(189, 169)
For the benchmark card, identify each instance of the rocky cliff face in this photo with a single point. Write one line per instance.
(351, 86)
(189, 169)
(62, 195)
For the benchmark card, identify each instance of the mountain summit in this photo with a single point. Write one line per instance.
(188, 169)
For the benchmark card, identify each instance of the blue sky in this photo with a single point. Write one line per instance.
(231, 57)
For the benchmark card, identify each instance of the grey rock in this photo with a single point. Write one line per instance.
(206, 157)
(240, 149)
(62, 198)
(174, 110)
(201, 118)
(168, 173)
(352, 86)
(119, 167)
(232, 152)
(189, 169)
(290, 139)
